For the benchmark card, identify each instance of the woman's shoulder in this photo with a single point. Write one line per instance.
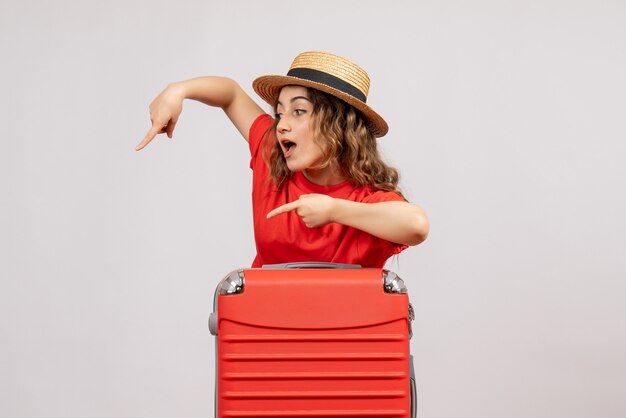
(258, 129)
(371, 194)
(260, 126)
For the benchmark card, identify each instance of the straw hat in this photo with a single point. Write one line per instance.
(331, 74)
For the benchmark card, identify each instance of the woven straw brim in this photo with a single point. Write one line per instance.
(268, 87)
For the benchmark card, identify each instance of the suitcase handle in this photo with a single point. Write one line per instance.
(311, 265)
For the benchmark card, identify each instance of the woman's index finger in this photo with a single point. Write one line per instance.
(149, 137)
(287, 207)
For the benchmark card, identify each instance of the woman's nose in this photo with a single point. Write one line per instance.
(283, 125)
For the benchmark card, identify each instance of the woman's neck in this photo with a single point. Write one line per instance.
(323, 177)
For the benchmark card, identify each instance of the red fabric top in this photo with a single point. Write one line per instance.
(285, 238)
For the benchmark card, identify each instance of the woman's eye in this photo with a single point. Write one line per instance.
(299, 112)
(278, 115)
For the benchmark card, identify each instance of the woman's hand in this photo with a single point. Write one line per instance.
(314, 209)
(164, 112)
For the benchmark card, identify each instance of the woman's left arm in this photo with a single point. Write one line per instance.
(395, 221)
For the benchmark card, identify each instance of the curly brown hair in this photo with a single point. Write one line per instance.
(347, 144)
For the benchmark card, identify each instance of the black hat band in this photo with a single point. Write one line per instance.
(328, 80)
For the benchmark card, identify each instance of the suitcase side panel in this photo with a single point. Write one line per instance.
(269, 372)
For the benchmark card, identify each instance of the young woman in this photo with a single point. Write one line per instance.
(321, 191)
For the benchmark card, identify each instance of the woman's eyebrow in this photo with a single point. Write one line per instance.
(300, 97)
(293, 99)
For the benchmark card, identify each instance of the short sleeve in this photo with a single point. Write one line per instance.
(257, 131)
(378, 196)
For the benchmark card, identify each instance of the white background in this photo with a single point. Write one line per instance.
(507, 123)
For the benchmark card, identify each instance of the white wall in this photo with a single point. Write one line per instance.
(507, 122)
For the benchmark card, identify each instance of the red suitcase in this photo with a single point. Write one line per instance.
(313, 340)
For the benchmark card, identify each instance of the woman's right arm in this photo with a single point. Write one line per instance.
(213, 91)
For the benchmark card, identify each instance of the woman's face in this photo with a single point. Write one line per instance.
(293, 131)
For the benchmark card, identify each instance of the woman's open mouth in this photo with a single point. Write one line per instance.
(288, 147)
